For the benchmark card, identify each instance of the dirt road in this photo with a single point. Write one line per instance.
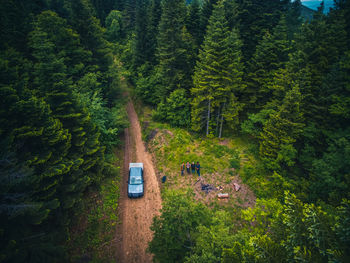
(136, 214)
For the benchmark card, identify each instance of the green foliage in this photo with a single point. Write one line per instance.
(255, 122)
(281, 131)
(108, 121)
(212, 239)
(175, 110)
(114, 26)
(100, 213)
(254, 19)
(171, 51)
(52, 114)
(309, 234)
(140, 47)
(206, 12)
(175, 230)
(193, 21)
(331, 172)
(146, 85)
(217, 77)
(342, 227)
(270, 57)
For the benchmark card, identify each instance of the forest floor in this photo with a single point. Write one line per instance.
(136, 215)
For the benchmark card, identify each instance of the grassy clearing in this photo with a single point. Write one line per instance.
(223, 161)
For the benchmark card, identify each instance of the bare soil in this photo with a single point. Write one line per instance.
(136, 215)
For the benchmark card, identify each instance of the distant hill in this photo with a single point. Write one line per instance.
(306, 13)
(314, 4)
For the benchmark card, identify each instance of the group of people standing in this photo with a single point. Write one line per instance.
(191, 168)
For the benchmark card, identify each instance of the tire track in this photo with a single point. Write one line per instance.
(137, 214)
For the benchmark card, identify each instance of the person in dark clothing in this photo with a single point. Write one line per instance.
(193, 167)
(198, 168)
(182, 168)
(188, 166)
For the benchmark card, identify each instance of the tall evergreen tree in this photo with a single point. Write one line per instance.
(312, 61)
(140, 39)
(193, 21)
(33, 160)
(270, 56)
(171, 51)
(206, 12)
(218, 77)
(255, 18)
(154, 15)
(56, 88)
(91, 33)
(281, 131)
(103, 8)
(129, 15)
(114, 26)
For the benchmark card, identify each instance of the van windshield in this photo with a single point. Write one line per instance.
(135, 175)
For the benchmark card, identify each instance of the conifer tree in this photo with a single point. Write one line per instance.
(206, 12)
(281, 131)
(91, 33)
(114, 26)
(154, 15)
(54, 86)
(33, 160)
(254, 19)
(129, 15)
(193, 21)
(171, 52)
(312, 62)
(270, 56)
(218, 77)
(140, 40)
(103, 8)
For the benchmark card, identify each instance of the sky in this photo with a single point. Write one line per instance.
(313, 4)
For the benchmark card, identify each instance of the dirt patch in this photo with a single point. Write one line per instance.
(243, 198)
(224, 142)
(137, 214)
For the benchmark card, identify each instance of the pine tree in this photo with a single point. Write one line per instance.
(293, 18)
(270, 56)
(67, 44)
(91, 33)
(338, 85)
(193, 21)
(281, 131)
(103, 8)
(114, 26)
(54, 86)
(154, 15)
(140, 41)
(218, 77)
(206, 12)
(255, 18)
(33, 161)
(171, 52)
(311, 62)
(129, 15)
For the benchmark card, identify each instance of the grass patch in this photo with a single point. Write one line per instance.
(93, 236)
(221, 160)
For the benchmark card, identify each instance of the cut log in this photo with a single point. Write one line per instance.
(237, 187)
(222, 195)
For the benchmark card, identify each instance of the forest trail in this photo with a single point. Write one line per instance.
(136, 214)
